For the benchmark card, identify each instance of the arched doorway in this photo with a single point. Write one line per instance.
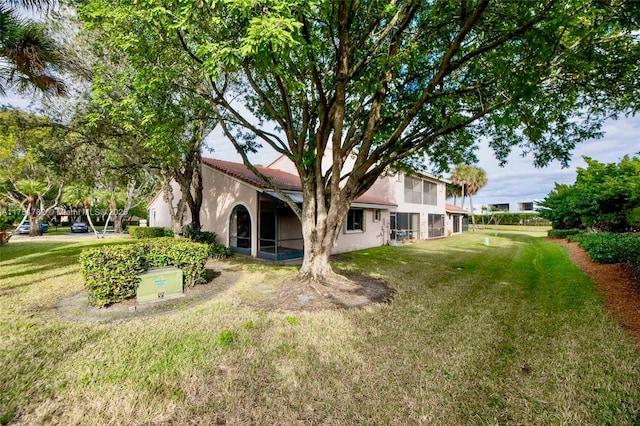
(240, 230)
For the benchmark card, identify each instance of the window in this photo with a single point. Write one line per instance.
(377, 214)
(526, 207)
(355, 220)
(404, 226)
(412, 190)
(429, 193)
(436, 225)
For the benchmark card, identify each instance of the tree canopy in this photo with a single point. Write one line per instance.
(388, 83)
(605, 197)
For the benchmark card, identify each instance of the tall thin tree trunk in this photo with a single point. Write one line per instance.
(87, 212)
(473, 216)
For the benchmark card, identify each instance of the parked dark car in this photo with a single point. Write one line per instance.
(25, 228)
(79, 227)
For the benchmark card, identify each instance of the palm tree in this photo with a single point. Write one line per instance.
(454, 191)
(471, 179)
(81, 195)
(29, 58)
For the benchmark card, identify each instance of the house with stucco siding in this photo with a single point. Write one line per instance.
(251, 218)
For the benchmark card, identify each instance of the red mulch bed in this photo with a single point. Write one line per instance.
(622, 292)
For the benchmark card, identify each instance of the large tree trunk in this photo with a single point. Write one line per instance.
(34, 222)
(35, 230)
(321, 227)
(117, 223)
(319, 235)
(195, 200)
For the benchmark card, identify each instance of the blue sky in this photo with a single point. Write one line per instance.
(517, 181)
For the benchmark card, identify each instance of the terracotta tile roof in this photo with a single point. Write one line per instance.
(368, 199)
(454, 209)
(285, 181)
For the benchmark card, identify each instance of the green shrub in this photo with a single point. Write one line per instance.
(504, 218)
(562, 233)
(219, 251)
(606, 247)
(199, 236)
(216, 250)
(141, 232)
(112, 273)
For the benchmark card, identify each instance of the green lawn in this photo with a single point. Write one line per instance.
(509, 333)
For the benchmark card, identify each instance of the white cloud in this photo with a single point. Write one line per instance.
(520, 181)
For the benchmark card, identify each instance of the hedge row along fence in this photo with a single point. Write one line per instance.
(562, 233)
(531, 219)
(112, 273)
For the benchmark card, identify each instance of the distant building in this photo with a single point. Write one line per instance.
(510, 207)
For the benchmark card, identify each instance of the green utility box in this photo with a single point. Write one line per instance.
(160, 284)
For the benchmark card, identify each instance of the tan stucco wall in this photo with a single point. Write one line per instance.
(375, 234)
(220, 195)
(450, 218)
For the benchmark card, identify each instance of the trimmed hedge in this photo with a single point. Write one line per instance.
(562, 233)
(606, 247)
(112, 273)
(141, 232)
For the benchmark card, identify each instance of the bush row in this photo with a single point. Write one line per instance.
(606, 247)
(531, 219)
(562, 233)
(112, 273)
(141, 232)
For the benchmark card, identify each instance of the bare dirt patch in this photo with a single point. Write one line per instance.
(621, 291)
(294, 294)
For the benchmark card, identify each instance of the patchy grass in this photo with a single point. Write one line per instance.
(506, 333)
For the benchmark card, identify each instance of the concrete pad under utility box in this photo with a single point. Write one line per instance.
(159, 284)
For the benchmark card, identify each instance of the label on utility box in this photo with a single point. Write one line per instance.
(159, 284)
